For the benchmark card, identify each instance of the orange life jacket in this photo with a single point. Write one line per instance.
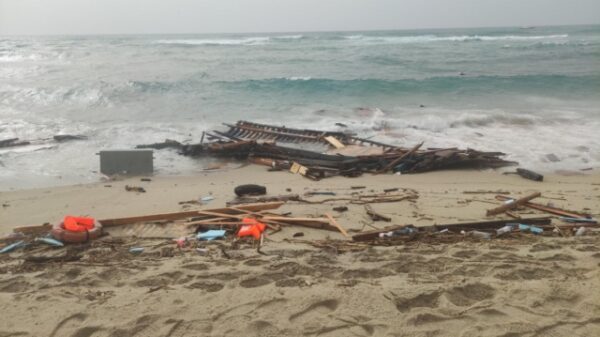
(78, 224)
(251, 227)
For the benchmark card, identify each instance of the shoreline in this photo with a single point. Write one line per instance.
(439, 194)
(316, 284)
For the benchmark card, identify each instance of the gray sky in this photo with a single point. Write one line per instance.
(213, 16)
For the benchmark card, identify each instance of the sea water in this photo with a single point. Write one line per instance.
(526, 92)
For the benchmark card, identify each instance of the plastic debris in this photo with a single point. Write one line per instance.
(530, 228)
(207, 199)
(136, 250)
(50, 241)
(181, 242)
(581, 231)
(576, 220)
(399, 232)
(211, 234)
(12, 247)
(480, 235)
(506, 229)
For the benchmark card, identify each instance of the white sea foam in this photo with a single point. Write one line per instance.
(289, 37)
(458, 38)
(259, 40)
(298, 78)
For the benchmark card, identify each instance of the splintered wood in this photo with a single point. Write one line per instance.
(513, 204)
(352, 156)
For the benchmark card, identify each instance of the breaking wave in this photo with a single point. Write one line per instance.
(438, 85)
(248, 41)
(459, 38)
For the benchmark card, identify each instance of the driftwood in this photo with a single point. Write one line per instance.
(168, 143)
(11, 142)
(477, 225)
(527, 174)
(184, 215)
(402, 157)
(547, 209)
(255, 142)
(333, 222)
(366, 199)
(376, 216)
(33, 230)
(248, 200)
(513, 204)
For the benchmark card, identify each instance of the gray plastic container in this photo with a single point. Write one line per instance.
(126, 162)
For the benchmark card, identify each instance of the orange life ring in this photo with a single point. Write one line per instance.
(60, 233)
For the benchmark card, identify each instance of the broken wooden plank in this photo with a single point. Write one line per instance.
(512, 204)
(33, 230)
(475, 225)
(376, 216)
(402, 157)
(188, 214)
(488, 224)
(333, 222)
(547, 209)
(334, 142)
(297, 168)
(374, 234)
(528, 174)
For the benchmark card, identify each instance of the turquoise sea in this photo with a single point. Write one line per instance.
(528, 92)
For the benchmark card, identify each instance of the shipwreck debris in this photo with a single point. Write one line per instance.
(349, 155)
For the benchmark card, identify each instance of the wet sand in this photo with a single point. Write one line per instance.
(517, 286)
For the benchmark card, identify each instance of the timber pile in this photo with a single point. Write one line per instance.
(348, 155)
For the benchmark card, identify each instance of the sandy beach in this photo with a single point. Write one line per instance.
(516, 286)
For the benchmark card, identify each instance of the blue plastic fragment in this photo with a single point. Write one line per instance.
(12, 247)
(136, 250)
(530, 228)
(586, 220)
(50, 241)
(211, 234)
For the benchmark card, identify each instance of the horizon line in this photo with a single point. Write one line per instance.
(301, 32)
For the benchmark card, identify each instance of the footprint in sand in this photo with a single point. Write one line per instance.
(14, 285)
(318, 308)
(428, 300)
(527, 274)
(254, 282)
(469, 294)
(465, 254)
(255, 262)
(208, 286)
(291, 282)
(195, 266)
(66, 323)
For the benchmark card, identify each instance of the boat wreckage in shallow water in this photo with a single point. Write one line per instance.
(344, 153)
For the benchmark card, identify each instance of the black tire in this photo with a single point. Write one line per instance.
(250, 189)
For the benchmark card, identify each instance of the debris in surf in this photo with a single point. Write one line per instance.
(344, 153)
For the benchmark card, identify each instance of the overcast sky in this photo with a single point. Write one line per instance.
(213, 16)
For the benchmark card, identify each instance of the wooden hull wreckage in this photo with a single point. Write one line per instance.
(339, 153)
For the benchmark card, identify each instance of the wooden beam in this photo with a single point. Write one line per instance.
(33, 229)
(399, 159)
(334, 142)
(513, 204)
(476, 225)
(333, 222)
(547, 209)
(376, 216)
(183, 215)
